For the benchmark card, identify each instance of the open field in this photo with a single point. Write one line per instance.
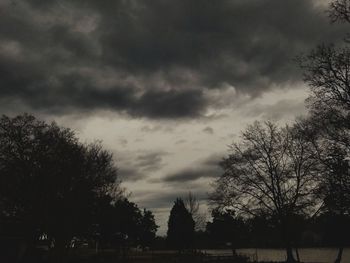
(307, 255)
(111, 256)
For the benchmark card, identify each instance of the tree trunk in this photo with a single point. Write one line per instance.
(297, 253)
(234, 252)
(96, 246)
(339, 256)
(287, 242)
(290, 256)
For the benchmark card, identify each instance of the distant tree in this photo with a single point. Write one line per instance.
(227, 230)
(193, 207)
(148, 229)
(127, 221)
(160, 243)
(49, 181)
(180, 227)
(121, 224)
(270, 172)
(335, 231)
(260, 227)
(335, 187)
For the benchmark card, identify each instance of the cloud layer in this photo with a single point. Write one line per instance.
(156, 59)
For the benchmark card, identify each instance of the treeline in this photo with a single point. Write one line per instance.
(231, 232)
(58, 194)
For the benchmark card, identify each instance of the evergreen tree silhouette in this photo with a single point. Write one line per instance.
(180, 227)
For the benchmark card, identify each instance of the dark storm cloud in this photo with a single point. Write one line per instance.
(151, 59)
(170, 104)
(208, 168)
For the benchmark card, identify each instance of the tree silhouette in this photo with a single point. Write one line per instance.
(128, 220)
(227, 229)
(262, 226)
(180, 227)
(148, 229)
(120, 224)
(193, 207)
(50, 181)
(326, 71)
(270, 172)
(330, 143)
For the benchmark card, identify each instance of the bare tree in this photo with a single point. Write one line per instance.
(327, 72)
(336, 191)
(327, 137)
(269, 171)
(193, 207)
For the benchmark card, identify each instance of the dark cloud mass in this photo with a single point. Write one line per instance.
(150, 59)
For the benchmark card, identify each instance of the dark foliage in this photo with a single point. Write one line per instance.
(49, 182)
(180, 227)
(227, 230)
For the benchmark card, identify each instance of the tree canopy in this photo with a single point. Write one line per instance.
(49, 181)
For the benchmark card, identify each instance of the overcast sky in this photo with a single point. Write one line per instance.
(165, 84)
